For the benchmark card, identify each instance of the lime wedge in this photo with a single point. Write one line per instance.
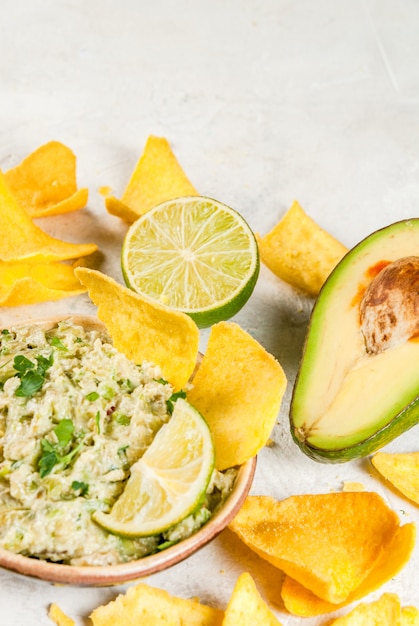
(192, 254)
(169, 481)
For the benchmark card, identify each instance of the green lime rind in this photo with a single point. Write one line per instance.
(164, 248)
(182, 444)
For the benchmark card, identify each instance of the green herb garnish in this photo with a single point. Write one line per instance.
(80, 486)
(57, 343)
(22, 364)
(170, 402)
(54, 453)
(32, 375)
(64, 432)
(30, 383)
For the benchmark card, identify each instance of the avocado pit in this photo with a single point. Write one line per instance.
(389, 309)
(357, 387)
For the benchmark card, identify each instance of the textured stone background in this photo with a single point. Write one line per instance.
(264, 102)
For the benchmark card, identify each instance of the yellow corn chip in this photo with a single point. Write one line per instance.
(157, 177)
(150, 606)
(59, 617)
(299, 252)
(350, 485)
(45, 181)
(317, 539)
(28, 283)
(75, 202)
(24, 241)
(238, 388)
(300, 601)
(246, 606)
(410, 616)
(402, 470)
(119, 209)
(386, 611)
(144, 330)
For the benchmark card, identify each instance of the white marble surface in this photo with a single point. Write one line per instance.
(263, 101)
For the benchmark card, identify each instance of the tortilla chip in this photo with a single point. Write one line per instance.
(144, 330)
(150, 606)
(74, 203)
(410, 616)
(316, 539)
(246, 606)
(299, 252)
(351, 485)
(157, 177)
(45, 181)
(239, 389)
(58, 616)
(386, 611)
(300, 601)
(119, 209)
(402, 470)
(25, 241)
(29, 283)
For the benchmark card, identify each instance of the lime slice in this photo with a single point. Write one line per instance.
(169, 481)
(192, 254)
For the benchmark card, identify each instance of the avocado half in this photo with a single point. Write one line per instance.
(358, 383)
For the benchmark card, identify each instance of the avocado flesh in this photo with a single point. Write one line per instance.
(346, 402)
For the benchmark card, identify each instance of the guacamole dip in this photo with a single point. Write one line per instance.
(75, 414)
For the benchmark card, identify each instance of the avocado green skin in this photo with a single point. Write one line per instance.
(405, 420)
(400, 423)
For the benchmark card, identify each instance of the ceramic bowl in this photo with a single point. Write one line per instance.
(132, 570)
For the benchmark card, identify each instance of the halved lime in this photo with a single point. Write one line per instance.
(193, 254)
(169, 481)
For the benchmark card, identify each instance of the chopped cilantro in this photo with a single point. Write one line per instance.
(43, 363)
(52, 454)
(80, 486)
(22, 364)
(57, 343)
(170, 402)
(64, 432)
(32, 375)
(49, 458)
(30, 383)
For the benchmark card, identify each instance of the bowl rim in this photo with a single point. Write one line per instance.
(100, 575)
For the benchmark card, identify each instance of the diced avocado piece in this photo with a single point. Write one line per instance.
(358, 383)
